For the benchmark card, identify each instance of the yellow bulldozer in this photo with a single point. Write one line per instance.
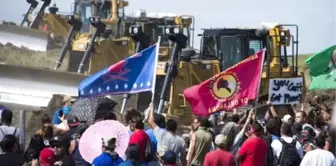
(220, 49)
(44, 31)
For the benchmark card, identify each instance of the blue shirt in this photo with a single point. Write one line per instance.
(56, 119)
(150, 133)
(106, 159)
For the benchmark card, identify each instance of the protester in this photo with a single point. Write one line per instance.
(167, 139)
(74, 146)
(287, 149)
(133, 155)
(319, 156)
(140, 138)
(160, 120)
(6, 128)
(301, 117)
(131, 116)
(108, 157)
(60, 146)
(73, 122)
(9, 155)
(64, 111)
(254, 149)
(40, 140)
(220, 156)
(200, 142)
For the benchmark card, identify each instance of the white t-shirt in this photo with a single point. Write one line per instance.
(318, 157)
(277, 146)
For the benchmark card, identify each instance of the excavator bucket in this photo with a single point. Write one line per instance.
(24, 37)
(31, 86)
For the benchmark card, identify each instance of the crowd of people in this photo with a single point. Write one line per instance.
(305, 138)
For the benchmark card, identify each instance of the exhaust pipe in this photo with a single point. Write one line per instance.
(34, 23)
(32, 6)
(99, 28)
(75, 26)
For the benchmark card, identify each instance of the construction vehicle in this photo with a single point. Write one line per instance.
(222, 48)
(45, 30)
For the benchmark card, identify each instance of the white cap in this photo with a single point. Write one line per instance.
(221, 140)
(286, 118)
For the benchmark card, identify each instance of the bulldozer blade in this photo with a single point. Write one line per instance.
(35, 87)
(32, 39)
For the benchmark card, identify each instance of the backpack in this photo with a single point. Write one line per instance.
(19, 150)
(149, 154)
(270, 159)
(289, 155)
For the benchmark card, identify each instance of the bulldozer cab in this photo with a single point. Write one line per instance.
(230, 46)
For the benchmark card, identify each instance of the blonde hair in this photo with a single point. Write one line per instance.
(46, 130)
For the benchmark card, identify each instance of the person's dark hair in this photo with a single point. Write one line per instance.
(7, 117)
(160, 120)
(45, 119)
(319, 121)
(132, 114)
(8, 142)
(272, 127)
(320, 140)
(286, 129)
(204, 122)
(171, 125)
(139, 124)
(258, 129)
(133, 153)
(297, 128)
(109, 115)
(235, 118)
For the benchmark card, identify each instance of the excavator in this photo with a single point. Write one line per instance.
(222, 48)
(45, 30)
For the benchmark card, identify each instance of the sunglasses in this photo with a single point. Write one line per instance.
(55, 146)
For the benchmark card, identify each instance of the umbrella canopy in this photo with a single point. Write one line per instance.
(90, 143)
(91, 109)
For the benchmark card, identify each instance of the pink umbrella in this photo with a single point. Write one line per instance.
(90, 144)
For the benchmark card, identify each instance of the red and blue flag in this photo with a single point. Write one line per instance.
(132, 75)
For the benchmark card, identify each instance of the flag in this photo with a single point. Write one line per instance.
(322, 69)
(229, 89)
(132, 75)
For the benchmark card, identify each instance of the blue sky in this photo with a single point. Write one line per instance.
(316, 18)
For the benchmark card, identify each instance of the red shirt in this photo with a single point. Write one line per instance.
(253, 152)
(140, 138)
(219, 158)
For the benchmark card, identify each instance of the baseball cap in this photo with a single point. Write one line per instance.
(286, 118)
(68, 99)
(73, 121)
(169, 157)
(221, 140)
(47, 157)
(60, 141)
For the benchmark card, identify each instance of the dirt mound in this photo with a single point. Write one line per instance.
(13, 55)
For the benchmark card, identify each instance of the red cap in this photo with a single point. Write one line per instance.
(47, 157)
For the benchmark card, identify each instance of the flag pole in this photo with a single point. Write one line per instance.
(126, 96)
(155, 65)
(257, 98)
(154, 75)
